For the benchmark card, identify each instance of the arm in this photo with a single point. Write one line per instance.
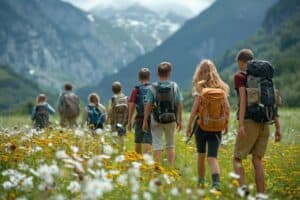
(179, 115)
(277, 129)
(148, 110)
(51, 110)
(131, 107)
(84, 117)
(33, 114)
(242, 111)
(227, 114)
(193, 115)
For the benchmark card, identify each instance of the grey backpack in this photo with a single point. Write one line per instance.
(70, 105)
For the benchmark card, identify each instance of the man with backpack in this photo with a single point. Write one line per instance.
(40, 113)
(137, 100)
(118, 114)
(258, 102)
(68, 107)
(164, 100)
(95, 113)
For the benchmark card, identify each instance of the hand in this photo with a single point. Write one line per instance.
(129, 126)
(241, 132)
(145, 126)
(189, 131)
(277, 136)
(179, 125)
(225, 130)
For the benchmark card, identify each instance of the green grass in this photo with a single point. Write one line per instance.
(281, 163)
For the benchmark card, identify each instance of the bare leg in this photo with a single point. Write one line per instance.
(147, 148)
(138, 148)
(238, 169)
(171, 156)
(259, 173)
(157, 156)
(201, 165)
(214, 165)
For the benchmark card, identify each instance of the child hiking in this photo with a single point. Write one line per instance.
(137, 100)
(212, 110)
(257, 108)
(40, 113)
(94, 113)
(164, 100)
(68, 107)
(118, 114)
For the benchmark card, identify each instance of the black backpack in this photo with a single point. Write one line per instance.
(165, 109)
(140, 100)
(41, 116)
(260, 90)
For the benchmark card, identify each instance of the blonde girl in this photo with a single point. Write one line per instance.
(206, 76)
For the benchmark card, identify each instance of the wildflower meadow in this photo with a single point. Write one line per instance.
(58, 163)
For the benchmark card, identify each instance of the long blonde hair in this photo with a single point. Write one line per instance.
(206, 75)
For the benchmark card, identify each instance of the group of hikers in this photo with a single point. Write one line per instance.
(159, 108)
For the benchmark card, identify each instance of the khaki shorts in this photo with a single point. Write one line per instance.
(255, 142)
(158, 129)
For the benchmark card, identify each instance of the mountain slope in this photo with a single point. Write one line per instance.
(146, 27)
(58, 42)
(279, 42)
(208, 35)
(15, 90)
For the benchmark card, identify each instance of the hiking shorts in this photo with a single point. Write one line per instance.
(255, 142)
(140, 136)
(212, 139)
(157, 130)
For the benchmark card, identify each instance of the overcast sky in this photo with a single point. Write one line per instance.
(179, 6)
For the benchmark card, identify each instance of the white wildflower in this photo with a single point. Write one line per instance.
(99, 131)
(107, 149)
(175, 192)
(167, 179)
(188, 191)
(74, 187)
(148, 159)
(61, 154)
(21, 198)
(147, 196)
(234, 175)
(134, 196)
(136, 165)
(28, 183)
(120, 158)
(79, 133)
(122, 179)
(74, 149)
(7, 185)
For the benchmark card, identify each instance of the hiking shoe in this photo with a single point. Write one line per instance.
(243, 191)
(216, 186)
(261, 196)
(201, 183)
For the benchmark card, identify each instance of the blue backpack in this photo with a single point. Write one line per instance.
(94, 116)
(140, 100)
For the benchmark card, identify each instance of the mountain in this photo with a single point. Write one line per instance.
(279, 42)
(147, 28)
(57, 42)
(208, 35)
(15, 90)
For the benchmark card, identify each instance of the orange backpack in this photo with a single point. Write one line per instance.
(212, 110)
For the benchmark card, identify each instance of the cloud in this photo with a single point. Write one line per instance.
(184, 7)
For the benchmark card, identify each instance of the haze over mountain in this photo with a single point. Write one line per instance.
(208, 35)
(147, 28)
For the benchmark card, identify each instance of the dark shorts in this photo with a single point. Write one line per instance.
(140, 136)
(212, 139)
